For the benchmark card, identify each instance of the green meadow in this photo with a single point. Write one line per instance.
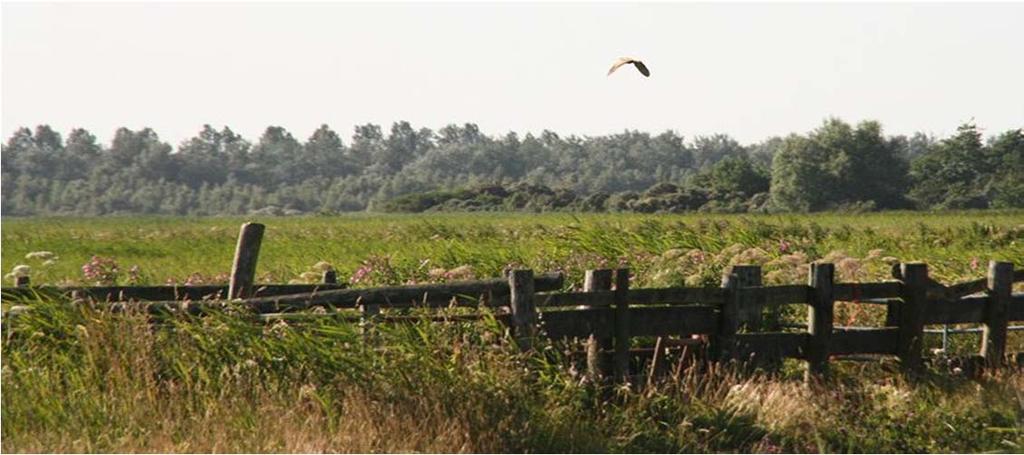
(79, 379)
(956, 245)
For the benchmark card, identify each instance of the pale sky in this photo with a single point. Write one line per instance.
(749, 70)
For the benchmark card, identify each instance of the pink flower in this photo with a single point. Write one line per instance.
(102, 270)
(783, 246)
(974, 264)
(361, 274)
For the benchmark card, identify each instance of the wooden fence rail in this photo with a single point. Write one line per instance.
(716, 315)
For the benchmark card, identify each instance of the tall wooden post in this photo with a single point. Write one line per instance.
(749, 309)
(367, 319)
(911, 331)
(622, 335)
(243, 270)
(330, 276)
(819, 319)
(993, 339)
(724, 342)
(524, 311)
(597, 344)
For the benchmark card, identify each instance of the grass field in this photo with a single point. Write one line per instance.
(78, 380)
(956, 245)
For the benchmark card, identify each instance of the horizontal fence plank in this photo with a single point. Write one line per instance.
(848, 340)
(662, 321)
(355, 318)
(678, 296)
(771, 345)
(971, 287)
(1015, 311)
(428, 295)
(960, 311)
(464, 293)
(776, 295)
(577, 323)
(669, 321)
(158, 293)
(856, 292)
(670, 296)
(594, 298)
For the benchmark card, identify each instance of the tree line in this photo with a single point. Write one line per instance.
(837, 166)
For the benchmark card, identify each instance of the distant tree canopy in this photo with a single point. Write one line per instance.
(218, 172)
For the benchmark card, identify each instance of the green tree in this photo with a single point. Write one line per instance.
(1007, 185)
(953, 173)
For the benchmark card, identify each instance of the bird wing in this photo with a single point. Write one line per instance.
(643, 68)
(621, 61)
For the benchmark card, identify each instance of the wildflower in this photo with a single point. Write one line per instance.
(694, 280)
(133, 275)
(42, 255)
(322, 266)
(848, 267)
(784, 246)
(672, 254)
(974, 264)
(462, 272)
(100, 269)
(436, 273)
(20, 270)
(361, 274)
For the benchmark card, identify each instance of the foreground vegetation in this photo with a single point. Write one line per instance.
(79, 380)
(76, 379)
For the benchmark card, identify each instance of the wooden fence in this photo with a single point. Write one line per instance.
(612, 316)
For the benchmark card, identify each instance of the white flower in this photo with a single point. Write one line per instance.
(43, 255)
(322, 266)
(21, 270)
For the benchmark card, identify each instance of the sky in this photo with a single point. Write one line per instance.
(749, 70)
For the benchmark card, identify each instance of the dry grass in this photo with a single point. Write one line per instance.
(77, 380)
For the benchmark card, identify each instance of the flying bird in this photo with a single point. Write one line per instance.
(627, 60)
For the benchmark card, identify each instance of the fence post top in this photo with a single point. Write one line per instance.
(913, 268)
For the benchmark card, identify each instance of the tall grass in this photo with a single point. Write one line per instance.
(78, 379)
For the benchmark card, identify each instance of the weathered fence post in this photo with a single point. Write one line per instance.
(993, 339)
(911, 315)
(749, 309)
(597, 344)
(366, 319)
(728, 320)
(22, 281)
(243, 270)
(524, 313)
(330, 276)
(622, 335)
(819, 319)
